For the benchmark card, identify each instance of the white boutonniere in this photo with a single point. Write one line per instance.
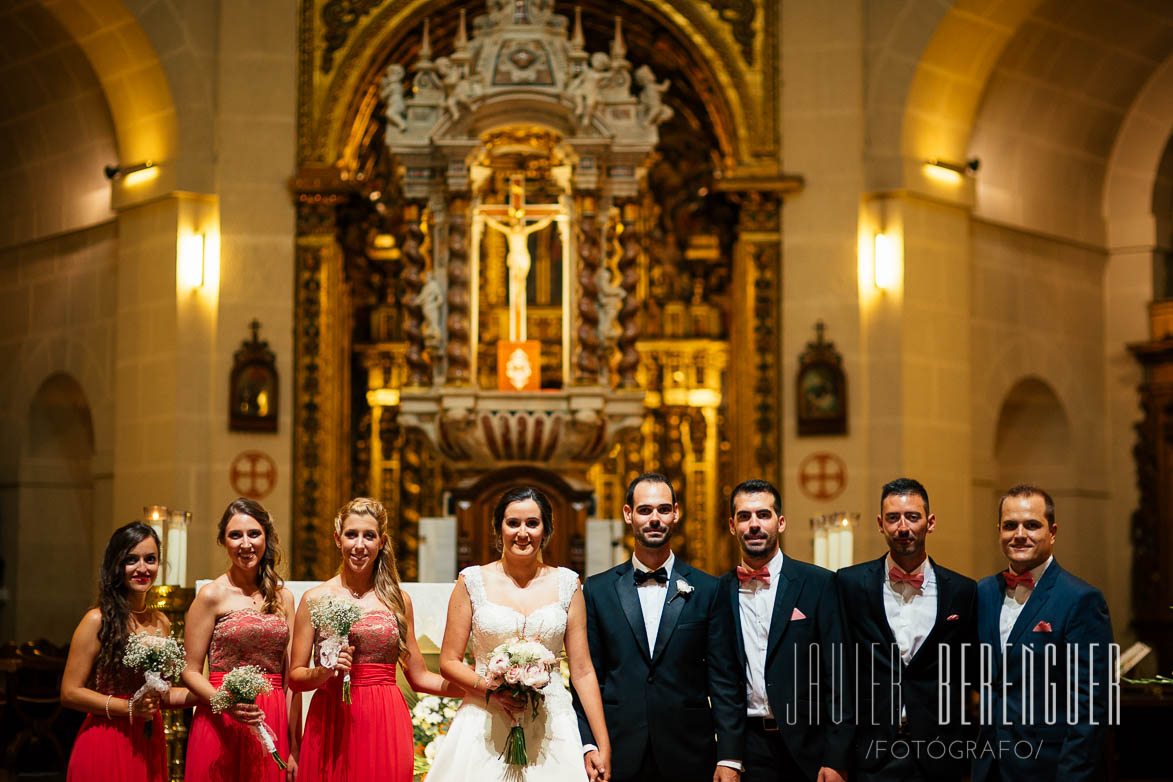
(682, 588)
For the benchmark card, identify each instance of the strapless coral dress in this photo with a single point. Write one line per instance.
(116, 750)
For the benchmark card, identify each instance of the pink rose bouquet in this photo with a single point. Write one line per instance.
(521, 668)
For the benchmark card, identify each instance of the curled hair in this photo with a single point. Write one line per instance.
(113, 600)
(1030, 490)
(386, 571)
(267, 579)
(519, 494)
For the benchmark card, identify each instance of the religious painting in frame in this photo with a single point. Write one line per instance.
(253, 386)
(820, 389)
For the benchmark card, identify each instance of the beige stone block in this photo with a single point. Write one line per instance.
(48, 309)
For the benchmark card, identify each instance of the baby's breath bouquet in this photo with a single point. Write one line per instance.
(522, 668)
(160, 658)
(333, 616)
(244, 684)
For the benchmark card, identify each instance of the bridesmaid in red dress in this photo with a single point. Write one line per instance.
(244, 617)
(369, 739)
(112, 744)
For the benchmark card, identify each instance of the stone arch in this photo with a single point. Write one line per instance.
(132, 77)
(744, 129)
(1032, 436)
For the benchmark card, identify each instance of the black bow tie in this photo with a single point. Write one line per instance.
(659, 575)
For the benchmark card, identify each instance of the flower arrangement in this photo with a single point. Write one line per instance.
(521, 668)
(244, 684)
(430, 717)
(161, 658)
(333, 617)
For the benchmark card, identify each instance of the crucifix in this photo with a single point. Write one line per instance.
(517, 220)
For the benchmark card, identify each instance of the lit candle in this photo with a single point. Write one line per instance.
(177, 548)
(846, 552)
(156, 516)
(832, 546)
(820, 532)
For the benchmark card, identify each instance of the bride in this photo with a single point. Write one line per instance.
(518, 596)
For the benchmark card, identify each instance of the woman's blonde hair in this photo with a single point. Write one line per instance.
(386, 572)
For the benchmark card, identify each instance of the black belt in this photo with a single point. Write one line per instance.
(763, 724)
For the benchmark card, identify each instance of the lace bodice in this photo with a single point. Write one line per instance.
(120, 681)
(493, 624)
(248, 637)
(375, 638)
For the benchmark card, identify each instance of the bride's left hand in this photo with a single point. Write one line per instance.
(598, 766)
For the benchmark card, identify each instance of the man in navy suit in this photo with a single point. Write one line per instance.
(662, 644)
(789, 649)
(1047, 643)
(909, 623)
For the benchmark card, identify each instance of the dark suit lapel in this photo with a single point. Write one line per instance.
(990, 610)
(733, 591)
(629, 600)
(875, 592)
(673, 605)
(789, 586)
(1038, 598)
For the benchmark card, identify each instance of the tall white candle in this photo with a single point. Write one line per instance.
(846, 539)
(177, 555)
(820, 531)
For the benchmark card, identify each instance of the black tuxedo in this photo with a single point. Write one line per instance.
(1067, 614)
(882, 682)
(804, 658)
(670, 701)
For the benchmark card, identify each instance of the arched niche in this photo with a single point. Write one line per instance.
(49, 557)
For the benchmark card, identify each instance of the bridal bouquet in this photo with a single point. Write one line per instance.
(333, 616)
(521, 668)
(242, 685)
(160, 658)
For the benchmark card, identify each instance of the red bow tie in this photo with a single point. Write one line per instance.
(1014, 580)
(896, 575)
(745, 575)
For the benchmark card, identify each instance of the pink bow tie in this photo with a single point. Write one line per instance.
(745, 575)
(896, 576)
(1012, 579)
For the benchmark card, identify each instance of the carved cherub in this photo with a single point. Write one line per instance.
(611, 296)
(459, 89)
(651, 98)
(430, 299)
(392, 92)
(584, 88)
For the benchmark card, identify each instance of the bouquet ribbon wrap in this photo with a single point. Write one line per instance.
(154, 682)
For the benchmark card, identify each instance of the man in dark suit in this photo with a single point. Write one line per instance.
(909, 623)
(662, 645)
(1046, 640)
(789, 650)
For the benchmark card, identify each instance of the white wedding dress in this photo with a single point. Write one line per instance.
(471, 751)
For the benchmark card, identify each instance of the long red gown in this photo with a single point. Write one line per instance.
(116, 750)
(220, 749)
(369, 739)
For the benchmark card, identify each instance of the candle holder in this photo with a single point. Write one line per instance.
(176, 548)
(834, 539)
(156, 517)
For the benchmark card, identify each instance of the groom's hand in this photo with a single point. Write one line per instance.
(726, 774)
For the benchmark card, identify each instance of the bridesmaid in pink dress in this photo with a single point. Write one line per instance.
(244, 617)
(369, 739)
(112, 744)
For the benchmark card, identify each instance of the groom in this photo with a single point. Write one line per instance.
(662, 642)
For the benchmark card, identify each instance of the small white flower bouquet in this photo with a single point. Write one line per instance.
(160, 658)
(333, 616)
(244, 684)
(522, 668)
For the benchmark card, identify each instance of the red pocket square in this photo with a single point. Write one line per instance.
(1043, 627)
(796, 614)
(951, 617)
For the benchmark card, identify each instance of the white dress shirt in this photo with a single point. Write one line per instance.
(911, 612)
(651, 598)
(1014, 599)
(757, 607)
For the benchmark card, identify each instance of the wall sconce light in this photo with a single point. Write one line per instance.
(133, 174)
(950, 172)
(887, 265)
(191, 260)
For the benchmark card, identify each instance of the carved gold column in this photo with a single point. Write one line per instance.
(414, 263)
(174, 601)
(629, 280)
(458, 352)
(320, 437)
(590, 253)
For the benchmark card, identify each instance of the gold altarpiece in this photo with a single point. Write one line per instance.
(654, 294)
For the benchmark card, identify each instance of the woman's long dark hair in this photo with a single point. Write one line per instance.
(113, 601)
(267, 579)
